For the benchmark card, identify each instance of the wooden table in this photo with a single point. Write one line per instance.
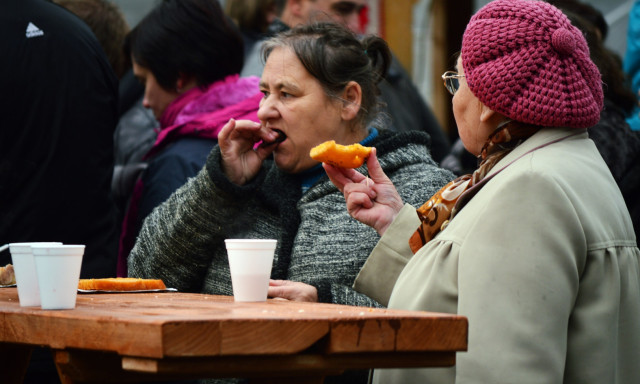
(139, 337)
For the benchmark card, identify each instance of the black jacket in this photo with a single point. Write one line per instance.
(58, 112)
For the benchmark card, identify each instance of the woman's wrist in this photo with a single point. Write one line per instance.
(382, 229)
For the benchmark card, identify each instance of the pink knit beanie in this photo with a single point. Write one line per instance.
(524, 59)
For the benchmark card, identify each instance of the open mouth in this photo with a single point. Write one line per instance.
(281, 137)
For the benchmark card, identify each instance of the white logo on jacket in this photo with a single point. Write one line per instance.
(33, 31)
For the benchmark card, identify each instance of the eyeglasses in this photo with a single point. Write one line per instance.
(451, 81)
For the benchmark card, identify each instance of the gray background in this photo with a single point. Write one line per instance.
(615, 11)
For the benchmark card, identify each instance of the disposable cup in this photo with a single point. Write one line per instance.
(25, 269)
(250, 263)
(58, 270)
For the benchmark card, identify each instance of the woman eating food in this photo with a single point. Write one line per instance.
(319, 84)
(536, 247)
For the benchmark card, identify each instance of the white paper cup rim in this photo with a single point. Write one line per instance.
(250, 243)
(26, 247)
(58, 249)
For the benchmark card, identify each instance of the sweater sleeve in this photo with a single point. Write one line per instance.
(342, 294)
(171, 245)
(176, 240)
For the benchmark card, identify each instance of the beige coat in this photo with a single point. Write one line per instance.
(543, 262)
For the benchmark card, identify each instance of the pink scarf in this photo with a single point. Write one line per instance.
(203, 111)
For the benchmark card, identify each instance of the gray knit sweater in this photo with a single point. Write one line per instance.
(182, 241)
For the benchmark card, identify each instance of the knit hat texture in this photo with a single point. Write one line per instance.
(524, 59)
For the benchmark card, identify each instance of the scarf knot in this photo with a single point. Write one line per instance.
(439, 210)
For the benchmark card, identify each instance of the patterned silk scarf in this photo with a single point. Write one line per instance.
(436, 213)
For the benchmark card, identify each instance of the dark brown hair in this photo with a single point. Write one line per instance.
(108, 24)
(250, 15)
(187, 37)
(335, 56)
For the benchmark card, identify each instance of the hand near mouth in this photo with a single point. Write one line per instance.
(241, 158)
(279, 139)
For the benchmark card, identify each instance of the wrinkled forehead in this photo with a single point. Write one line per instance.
(283, 68)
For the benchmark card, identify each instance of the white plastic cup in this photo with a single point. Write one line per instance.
(25, 269)
(58, 270)
(250, 262)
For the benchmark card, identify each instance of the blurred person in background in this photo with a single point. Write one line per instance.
(58, 114)
(109, 25)
(631, 63)
(403, 103)
(134, 133)
(187, 54)
(56, 155)
(252, 18)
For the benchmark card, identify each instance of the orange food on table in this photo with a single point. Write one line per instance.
(343, 156)
(120, 284)
(7, 275)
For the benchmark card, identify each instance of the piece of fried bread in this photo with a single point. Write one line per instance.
(343, 156)
(7, 275)
(120, 284)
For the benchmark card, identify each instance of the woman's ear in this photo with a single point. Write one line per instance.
(351, 99)
(486, 114)
(185, 83)
(179, 84)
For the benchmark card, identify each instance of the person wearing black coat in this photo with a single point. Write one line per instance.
(58, 112)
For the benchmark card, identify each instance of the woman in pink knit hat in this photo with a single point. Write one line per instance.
(536, 247)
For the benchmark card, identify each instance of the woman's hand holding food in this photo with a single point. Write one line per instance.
(241, 162)
(373, 201)
(292, 290)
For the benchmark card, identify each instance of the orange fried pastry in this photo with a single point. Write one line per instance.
(120, 284)
(343, 156)
(7, 275)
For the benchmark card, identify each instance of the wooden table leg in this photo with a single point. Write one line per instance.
(92, 366)
(62, 359)
(14, 361)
